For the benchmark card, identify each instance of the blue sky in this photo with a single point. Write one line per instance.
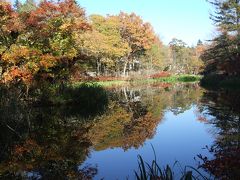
(183, 19)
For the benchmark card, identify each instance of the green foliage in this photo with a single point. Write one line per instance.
(185, 60)
(179, 78)
(156, 58)
(189, 78)
(87, 99)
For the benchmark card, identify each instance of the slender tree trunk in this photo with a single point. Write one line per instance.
(125, 68)
(98, 67)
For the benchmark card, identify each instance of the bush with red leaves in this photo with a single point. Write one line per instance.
(160, 75)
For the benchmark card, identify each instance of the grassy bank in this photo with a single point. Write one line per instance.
(175, 79)
(170, 79)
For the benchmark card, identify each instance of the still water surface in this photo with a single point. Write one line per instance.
(183, 122)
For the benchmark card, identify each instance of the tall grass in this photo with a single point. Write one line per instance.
(153, 171)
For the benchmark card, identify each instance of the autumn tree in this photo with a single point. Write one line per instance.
(48, 40)
(117, 42)
(104, 43)
(10, 29)
(139, 35)
(46, 47)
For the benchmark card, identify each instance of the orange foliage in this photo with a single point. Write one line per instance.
(138, 34)
(47, 61)
(16, 74)
(48, 11)
(9, 19)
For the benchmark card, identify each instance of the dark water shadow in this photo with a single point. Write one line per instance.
(222, 111)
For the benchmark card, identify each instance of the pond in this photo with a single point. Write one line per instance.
(182, 122)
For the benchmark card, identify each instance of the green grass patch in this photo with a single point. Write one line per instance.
(102, 83)
(176, 79)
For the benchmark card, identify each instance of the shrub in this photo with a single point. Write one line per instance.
(188, 78)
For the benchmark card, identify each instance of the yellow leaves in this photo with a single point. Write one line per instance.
(104, 40)
(16, 54)
(21, 64)
(109, 62)
(65, 26)
(71, 53)
(47, 61)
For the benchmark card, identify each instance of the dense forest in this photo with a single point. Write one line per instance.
(55, 41)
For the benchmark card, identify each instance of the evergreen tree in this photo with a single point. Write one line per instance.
(224, 53)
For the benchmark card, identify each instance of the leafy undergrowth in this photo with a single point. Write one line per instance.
(86, 98)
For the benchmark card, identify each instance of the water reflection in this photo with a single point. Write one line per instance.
(54, 142)
(221, 109)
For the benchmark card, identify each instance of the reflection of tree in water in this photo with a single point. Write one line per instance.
(184, 96)
(118, 128)
(54, 141)
(135, 112)
(54, 147)
(46, 143)
(223, 106)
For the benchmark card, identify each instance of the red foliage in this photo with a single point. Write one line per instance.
(9, 19)
(5, 8)
(48, 15)
(160, 75)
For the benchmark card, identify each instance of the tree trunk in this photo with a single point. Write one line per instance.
(98, 67)
(124, 69)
